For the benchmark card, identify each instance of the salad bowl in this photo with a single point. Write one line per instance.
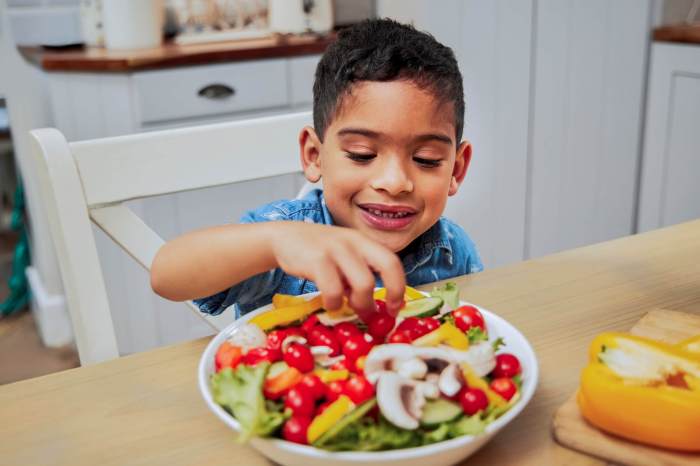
(444, 452)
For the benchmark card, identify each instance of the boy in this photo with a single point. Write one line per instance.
(388, 117)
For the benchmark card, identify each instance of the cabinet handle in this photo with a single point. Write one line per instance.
(216, 91)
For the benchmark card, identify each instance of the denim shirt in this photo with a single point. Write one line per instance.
(443, 251)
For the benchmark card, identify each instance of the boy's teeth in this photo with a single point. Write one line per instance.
(381, 213)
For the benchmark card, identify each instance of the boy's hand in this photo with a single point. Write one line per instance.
(341, 262)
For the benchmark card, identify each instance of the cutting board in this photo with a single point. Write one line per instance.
(572, 431)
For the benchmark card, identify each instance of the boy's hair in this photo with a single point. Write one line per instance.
(385, 50)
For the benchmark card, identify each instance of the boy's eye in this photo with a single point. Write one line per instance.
(360, 157)
(428, 163)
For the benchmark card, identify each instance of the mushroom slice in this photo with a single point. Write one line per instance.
(480, 357)
(413, 368)
(386, 358)
(450, 381)
(400, 401)
(292, 339)
(248, 336)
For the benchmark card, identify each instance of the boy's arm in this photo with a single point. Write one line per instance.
(340, 261)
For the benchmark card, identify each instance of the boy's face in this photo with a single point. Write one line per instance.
(388, 162)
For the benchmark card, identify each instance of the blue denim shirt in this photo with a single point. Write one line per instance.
(443, 251)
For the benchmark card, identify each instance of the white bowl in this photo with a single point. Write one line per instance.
(437, 454)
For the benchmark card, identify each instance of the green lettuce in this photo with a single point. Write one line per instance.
(240, 392)
(449, 294)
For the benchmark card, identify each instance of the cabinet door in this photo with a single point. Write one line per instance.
(670, 191)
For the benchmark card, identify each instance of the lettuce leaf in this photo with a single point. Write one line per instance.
(449, 292)
(240, 392)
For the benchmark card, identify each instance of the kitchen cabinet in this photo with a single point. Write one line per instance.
(669, 190)
(89, 105)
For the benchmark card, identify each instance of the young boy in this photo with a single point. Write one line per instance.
(388, 116)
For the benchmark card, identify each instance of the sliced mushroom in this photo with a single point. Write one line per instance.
(479, 356)
(414, 368)
(428, 389)
(248, 336)
(322, 356)
(386, 358)
(292, 339)
(451, 380)
(400, 401)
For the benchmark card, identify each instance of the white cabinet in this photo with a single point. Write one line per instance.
(670, 187)
(91, 105)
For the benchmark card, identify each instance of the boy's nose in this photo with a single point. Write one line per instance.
(392, 178)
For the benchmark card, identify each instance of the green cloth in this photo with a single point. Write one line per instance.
(19, 288)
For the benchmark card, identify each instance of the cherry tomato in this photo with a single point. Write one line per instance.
(343, 364)
(309, 323)
(380, 304)
(507, 365)
(255, 356)
(275, 339)
(300, 400)
(345, 330)
(428, 324)
(334, 389)
(298, 331)
(358, 389)
(473, 400)
(417, 326)
(314, 385)
(467, 317)
(355, 347)
(299, 356)
(323, 336)
(404, 336)
(295, 429)
(380, 324)
(227, 355)
(504, 387)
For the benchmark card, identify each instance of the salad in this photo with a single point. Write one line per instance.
(327, 379)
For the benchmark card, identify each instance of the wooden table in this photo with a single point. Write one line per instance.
(146, 409)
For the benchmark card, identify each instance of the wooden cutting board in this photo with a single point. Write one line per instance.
(572, 431)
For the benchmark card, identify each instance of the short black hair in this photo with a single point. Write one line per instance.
(385, 50)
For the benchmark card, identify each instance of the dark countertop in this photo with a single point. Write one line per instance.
(172, 55)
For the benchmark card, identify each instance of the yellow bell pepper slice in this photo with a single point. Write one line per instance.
(330, 375)
(329, 417)
(445, 334)
(280, 300)
(286, 315)
(409, 294)
(643, 390)
(474, 381)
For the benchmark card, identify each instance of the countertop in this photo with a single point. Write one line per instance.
(686, 33)
(146, 408)
(92, 59)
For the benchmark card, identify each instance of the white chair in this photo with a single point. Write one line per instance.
(89, 181)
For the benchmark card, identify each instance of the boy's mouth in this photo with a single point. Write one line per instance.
(387, 217)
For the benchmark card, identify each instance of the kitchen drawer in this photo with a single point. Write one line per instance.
(203, 91)
(301, 74)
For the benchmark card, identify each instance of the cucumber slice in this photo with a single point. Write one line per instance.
(277, 368)
(349, 418)
(424, 307)
(439, 411)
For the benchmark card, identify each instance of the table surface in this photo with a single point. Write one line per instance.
(146, 408)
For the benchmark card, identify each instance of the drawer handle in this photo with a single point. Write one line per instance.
(216, 91)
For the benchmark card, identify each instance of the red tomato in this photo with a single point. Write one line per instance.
(428, 324)
(404, 336)
(275, 339)
(227, 355)
(343, 364)
(507, 365)
(345, 330)
(315, 386)
(300, 400)
(418, 326)
(257, 355)
(295, 429)
(358, 389)
(323, 336)
(309, 323)
(380, 324)
(299, 356)
(380, 305)
(298, 331)
(504, 387)
(467, 317)
(473, 400)
(355, 347)
(334, 390)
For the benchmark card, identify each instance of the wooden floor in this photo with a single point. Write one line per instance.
(22, 354)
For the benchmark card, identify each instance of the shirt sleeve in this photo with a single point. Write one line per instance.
(254, 291)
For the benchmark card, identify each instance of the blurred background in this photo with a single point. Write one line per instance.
(584, 118)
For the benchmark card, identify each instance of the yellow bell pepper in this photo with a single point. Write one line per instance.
(474, 381)
(285, 300)
(447, 334)
(329, 417)
(409, 294)
(331, 375)
(286, 315)
(643, 390)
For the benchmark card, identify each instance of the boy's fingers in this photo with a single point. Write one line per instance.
(330, 285)
(391, 270)
(360, 279)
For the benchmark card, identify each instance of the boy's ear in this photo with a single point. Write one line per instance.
(310, 150)
(459, 171)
